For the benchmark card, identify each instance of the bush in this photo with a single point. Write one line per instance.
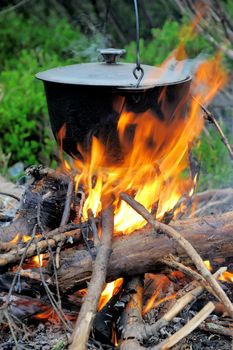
(28, 46)
(165, 40)
(216, 166)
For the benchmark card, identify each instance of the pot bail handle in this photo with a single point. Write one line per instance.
(138, 68)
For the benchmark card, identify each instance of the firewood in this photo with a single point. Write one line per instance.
(187, 329)
(133, 311)
(53, 238)
(212, 119)
(89, 307)
(46, 190)
(139, 252)
(186, 246)
(179, 305)
(216, 328)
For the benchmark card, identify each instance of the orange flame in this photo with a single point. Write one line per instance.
(162, 300)
(161, 287)
(226, 277)
(26, 238)
(109, 290)
(15, 239)
(38, 260)
(208, 264)
(44, 315)
(154, 162)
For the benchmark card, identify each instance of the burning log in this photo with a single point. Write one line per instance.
(146, 331)
(186, 246)
(53, 238)
(139, 252)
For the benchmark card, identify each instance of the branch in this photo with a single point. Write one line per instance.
(211, 118)
(90, 304)
(187, 329)
(188, 248)
(14, 7)
(15, 255)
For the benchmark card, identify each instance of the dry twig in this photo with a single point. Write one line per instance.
(188, 248)
(179, 305)
(55, 304)
(10, 195)
(171, 261)
(211, 118)
(187, 329)
(144, 331)
(216, 328)
(66, 212)
(90, 304)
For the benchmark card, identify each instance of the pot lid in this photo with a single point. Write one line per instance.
(112, 74)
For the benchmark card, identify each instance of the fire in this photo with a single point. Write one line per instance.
(45, 315)
(226, 277)
(38, 260)
(15, 239)
(162, 300)
(161, 287)
(109, 290)
(155, 162)
(208, 264)
(26, 238)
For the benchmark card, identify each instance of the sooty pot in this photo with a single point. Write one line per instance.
(89, 98)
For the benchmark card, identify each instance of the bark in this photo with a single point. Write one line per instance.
(89, 307)
(211, 236)
(42, 203)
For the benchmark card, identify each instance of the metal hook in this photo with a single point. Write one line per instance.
(138, 77)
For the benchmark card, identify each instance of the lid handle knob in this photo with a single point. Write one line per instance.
(111, 55)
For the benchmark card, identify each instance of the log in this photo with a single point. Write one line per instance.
(43, 200)
(137, 253)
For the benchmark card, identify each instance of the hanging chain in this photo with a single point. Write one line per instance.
(138, 71)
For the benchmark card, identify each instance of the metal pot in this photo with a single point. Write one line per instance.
(89, 98)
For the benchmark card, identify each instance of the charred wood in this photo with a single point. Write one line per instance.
(45, 191)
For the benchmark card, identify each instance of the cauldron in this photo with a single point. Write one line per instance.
(89, 98)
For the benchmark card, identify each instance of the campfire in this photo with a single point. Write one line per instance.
(100, 247)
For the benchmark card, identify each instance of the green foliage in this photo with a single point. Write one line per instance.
(28, 46)
(165, 40)
(228, 7)
(155, 51)
(59, 346)
(216, 165)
